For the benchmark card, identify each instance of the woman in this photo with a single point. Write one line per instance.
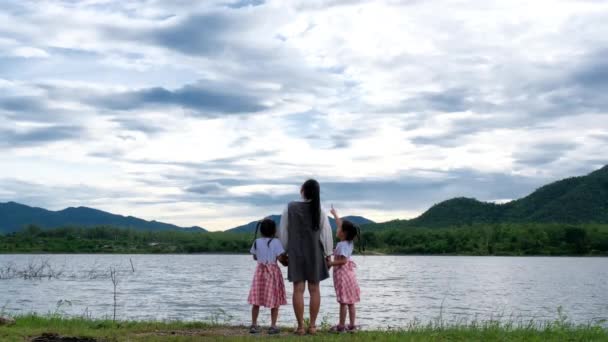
(307, 238)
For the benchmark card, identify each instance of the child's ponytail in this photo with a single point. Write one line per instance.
(255, 236)
(360, 241)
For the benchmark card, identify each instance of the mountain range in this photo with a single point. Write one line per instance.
(573, 200)
(14, 216)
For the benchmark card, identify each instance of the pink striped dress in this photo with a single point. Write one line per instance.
(345, 279)
(267, 288)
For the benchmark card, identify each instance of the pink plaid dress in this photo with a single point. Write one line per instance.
(345, 279)
(268, 288)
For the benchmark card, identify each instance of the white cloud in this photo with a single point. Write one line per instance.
(30, 52)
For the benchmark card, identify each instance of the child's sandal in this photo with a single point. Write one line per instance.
(338, 329)
(300, 332)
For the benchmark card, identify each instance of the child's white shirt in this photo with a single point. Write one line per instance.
(344, 248)
(266, 253)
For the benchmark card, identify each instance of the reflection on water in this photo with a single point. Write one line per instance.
(395, 289)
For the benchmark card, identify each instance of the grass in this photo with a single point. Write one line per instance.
(31, 326)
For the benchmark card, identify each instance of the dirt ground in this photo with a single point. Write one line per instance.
(57, 338)
(215, 331)
(207, 332)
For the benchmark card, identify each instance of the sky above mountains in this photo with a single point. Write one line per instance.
(213, 114)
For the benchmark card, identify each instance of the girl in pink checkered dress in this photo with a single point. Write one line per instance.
(345, 279)
(268, 288)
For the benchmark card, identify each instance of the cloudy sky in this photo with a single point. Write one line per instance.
(212, 114)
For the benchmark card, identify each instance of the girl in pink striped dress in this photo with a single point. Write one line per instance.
(268, 288)
(345, 279)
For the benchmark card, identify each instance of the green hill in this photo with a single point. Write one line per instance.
(459, 211)
(573, 200)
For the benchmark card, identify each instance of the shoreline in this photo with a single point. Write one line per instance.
(375, 254)
(60, 328)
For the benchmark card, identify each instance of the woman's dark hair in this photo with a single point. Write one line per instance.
(311, 190)
(268, 228)
(352, 232)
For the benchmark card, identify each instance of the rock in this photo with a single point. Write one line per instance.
(4, 320)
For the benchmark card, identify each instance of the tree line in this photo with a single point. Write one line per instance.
(499, 239)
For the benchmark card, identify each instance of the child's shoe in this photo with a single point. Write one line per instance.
(338, 329)
(254, 329)
(352, 328)
(273, 331)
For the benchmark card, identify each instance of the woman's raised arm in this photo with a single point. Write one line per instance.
(326, 234)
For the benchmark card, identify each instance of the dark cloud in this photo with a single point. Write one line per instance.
(446, 101)
(31, 108)
(416, 192)
(593, 74)
(107, 154)
(214, 33)
(207, 99)
(556, 89)
(537, 159)
(542, 154)
(453, 138)
(462, 130)
(38, 136)
(218, 191)
(340, 141)
(245, 3)
(241, 141)
(343, 138)
(204, 98)
(139, 124)
(207, 189)
(570, 88)
(23, 104)
(198, 34)
(411, 192)
(600, 136)
(239, 44)
(584, 90)
(451, 100)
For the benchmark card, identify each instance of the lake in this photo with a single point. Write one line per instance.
(396, 290)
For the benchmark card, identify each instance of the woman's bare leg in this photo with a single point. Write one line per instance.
(298, 303)
(315, 302)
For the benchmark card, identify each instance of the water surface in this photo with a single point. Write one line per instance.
(396, 290)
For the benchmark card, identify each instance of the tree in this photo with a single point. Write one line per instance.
(576, 237)
(32, 230)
